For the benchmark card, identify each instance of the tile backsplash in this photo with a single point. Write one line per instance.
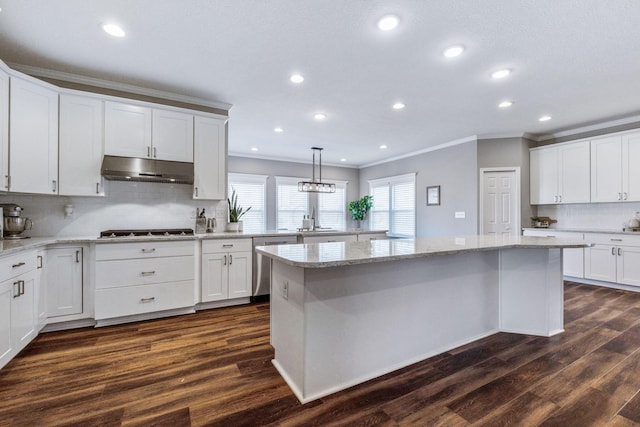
(126, 205)
(593, 215)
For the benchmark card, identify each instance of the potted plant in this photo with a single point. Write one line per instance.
(359, 208)
(235, 212)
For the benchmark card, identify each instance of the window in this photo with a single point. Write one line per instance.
(332, 207)
(291, 204)
(251, 193)
(394, 205)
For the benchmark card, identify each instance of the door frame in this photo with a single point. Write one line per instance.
(518, 185)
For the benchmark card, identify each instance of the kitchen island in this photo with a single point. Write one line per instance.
(344, 313)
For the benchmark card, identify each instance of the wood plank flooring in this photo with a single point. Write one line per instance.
(214, 368)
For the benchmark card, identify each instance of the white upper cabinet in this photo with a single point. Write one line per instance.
(210, 159)
(172, 136)
(137, 131)
(127, 130)
(81, 146)
(4, 131)
(560, 174)
(615, 176)
(33, 136)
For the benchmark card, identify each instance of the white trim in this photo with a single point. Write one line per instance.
(589, 128)
(106, 84)
(518, 210)
(290, 160)
(425, 150)
(390, 179)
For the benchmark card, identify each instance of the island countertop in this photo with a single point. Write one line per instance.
(335, 254)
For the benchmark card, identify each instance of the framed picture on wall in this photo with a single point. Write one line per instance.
(433, 195)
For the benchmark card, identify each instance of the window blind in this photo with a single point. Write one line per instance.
(291, 204)
(251, 193)
(394, 205)
(332, 207)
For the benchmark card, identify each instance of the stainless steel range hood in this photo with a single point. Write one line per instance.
(149, 170)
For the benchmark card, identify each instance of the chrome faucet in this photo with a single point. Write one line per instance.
(313, 219)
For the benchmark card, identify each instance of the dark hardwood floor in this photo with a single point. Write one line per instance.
(213, 368)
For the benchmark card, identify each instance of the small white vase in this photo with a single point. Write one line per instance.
(233, 226)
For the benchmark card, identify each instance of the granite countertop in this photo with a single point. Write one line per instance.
(8, 247)
(321, 255)
(584, 230)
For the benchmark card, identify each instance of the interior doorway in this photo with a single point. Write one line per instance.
(500, 201)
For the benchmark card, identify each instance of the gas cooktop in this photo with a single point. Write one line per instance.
(147, 232)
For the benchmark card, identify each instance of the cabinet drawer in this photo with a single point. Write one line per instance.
(130, 300)
(109, 251)
(226, 245)
(14, 265)
(118, 273)
(365, 237)
(328, 239)
(612, 239)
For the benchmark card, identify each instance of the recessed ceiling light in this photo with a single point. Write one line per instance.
(278, 129)
(500, 74)
(319, 116)
(254, 149)
(383, 147)
(453, 51)
(505, 104)
(398, 106)
(545, 118)
(113, 30)
(296, 78)
(388, 22)
(343, 160)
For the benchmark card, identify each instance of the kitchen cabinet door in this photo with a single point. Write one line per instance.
(544, 176)
(64, 287)
(210, 158)
(127, 130)
(41, 289)
(215, 277)
(23, 325)
(600, 263)
(4, 131)
(7, 292)
(628, 265)
(574, 173)
(240, 274)
(172, 136)
(33, 136)
(81, 146)
(630, 169)
(606, 170)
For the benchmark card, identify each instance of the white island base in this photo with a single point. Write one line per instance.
(339, 326)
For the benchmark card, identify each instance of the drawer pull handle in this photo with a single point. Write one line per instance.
(147, 251)
(20, 264)
(616, 240)
(148, 273)
(16, 294)
(227, 246)
(150, 299)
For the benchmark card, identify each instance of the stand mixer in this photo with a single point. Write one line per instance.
(13, 222)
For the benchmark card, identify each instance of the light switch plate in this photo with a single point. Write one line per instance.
(460, 214)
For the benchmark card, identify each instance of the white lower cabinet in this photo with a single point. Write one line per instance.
(41, 289)
(226, 269)
(17, 304)
(64, 284)
(613, 258)
(143, 277)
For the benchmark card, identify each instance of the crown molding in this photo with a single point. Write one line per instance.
(284, 159)
(107, 84)
(589, 128)
(425, 150)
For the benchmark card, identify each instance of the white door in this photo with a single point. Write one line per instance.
(209, 159)
(215, 277)
(7, 292)
(544, 176)
(240, 274)
(574, 174)
(630, 169)
(4, 136)
(500, 203)
(64, 288)
(23, 324)
(600, 263)
(172, 136)
(628, 263)
(606, 170)
(127, 130)
(41, 289)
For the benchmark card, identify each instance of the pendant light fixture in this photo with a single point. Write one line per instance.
(318, 186)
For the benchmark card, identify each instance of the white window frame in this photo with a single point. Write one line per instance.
(390, 181)
(339, 185)
(288, 180)
(251, 179)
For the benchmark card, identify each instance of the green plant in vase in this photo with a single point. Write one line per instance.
(235, 212)
(359, 208)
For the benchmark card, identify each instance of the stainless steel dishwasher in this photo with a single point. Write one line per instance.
(262, 265)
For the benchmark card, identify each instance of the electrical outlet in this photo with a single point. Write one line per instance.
(285, 290)
(460, 214)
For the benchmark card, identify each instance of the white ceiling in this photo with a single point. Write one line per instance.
(575, 60)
